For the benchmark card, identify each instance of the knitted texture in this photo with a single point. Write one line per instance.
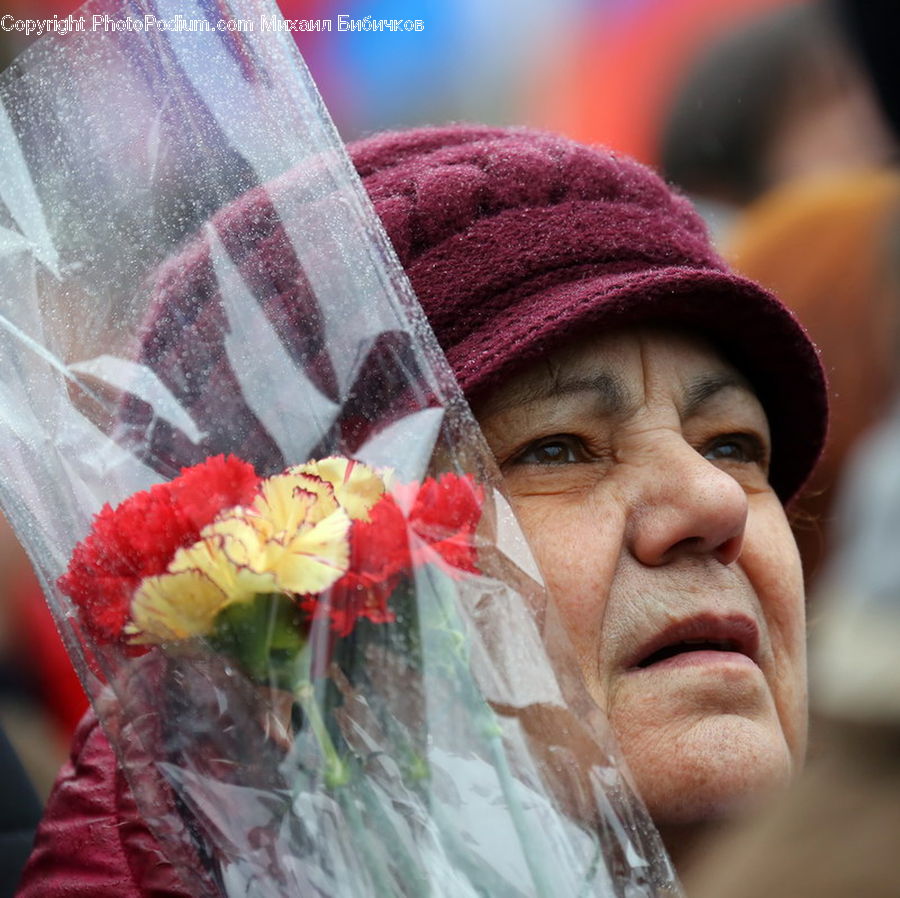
(515, 242)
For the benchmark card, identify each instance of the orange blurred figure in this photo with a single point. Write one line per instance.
(830, 248)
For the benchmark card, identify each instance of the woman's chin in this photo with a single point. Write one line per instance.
(711, 772)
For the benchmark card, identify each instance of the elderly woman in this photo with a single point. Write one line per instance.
(651, 413)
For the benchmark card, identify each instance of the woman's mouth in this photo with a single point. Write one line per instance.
(701, 639)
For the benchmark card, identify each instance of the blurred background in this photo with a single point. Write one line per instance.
(778, 117)
(598, 70)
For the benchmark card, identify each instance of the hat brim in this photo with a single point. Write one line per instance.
(756, 334)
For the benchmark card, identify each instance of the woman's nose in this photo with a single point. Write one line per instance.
(687, 506)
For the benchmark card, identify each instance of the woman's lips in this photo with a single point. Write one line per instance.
(700, 639)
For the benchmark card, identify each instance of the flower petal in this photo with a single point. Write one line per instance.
(175, 606)
(315, 558)
(237, 567)
(291, 501)
(357, 487)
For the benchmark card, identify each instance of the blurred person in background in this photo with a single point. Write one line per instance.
(828, 240)
(32, 742)
(830, 247)
(776, 99)
(41, 698)
(20, 812)
(870, 29)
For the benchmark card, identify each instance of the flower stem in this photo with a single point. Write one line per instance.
(338, 776)
(337, 771)
(486, 722)
(374, 862)
(530, 848)
(411, 875)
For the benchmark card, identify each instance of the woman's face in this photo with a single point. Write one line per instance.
(637, 464)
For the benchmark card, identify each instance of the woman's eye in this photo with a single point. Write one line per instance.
(739, 447)
(555, 450)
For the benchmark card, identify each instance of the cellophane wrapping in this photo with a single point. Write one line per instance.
(202, 323)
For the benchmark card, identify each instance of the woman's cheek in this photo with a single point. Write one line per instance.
(577, 548)
(772, 564)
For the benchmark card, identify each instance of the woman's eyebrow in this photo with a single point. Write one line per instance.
(604, 387)
(703, 388)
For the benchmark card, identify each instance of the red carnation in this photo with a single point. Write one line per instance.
(138, 538)
(379, 553)
(443, 517)
(204, 490)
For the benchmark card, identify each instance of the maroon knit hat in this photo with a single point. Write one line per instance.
(518, 241)
(515, 242)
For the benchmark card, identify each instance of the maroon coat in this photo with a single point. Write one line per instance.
(92, 842)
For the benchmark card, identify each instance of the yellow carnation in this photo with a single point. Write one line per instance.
(294, 538)
(357, 487)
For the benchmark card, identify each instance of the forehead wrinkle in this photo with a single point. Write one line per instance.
(703, 388)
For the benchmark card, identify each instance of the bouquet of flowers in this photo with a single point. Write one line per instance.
(264, 518)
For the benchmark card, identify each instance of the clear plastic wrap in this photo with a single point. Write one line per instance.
(380, 701)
